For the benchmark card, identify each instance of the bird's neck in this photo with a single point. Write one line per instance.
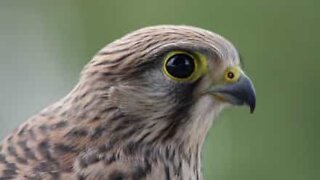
(102, 119)
(108, 126)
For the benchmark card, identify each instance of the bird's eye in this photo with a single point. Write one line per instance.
(180, 66)
(232, 74)
(183, 66)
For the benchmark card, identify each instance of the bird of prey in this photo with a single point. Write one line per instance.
(141, 110)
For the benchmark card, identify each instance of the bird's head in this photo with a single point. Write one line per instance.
(168, 82)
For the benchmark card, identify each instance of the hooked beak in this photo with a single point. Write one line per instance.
(237, 93)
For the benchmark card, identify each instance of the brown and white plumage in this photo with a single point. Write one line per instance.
(126, 119)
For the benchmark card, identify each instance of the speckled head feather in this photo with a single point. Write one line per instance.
(147, 44)
(127, 118)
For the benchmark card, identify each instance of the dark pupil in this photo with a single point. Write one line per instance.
(180, 66)
(230, 75)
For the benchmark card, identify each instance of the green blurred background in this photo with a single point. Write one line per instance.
(44, 45)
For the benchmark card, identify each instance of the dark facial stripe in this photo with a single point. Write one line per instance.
(167, 171)
(117, 175)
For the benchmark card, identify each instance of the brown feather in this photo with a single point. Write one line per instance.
(121, 121)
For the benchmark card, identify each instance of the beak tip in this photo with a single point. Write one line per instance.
(252, 109)
(252, 103)
(251, 96)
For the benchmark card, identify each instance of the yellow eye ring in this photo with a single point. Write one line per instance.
(183, 66)
(232, 74)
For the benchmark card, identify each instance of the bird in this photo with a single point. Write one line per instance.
(142, 109)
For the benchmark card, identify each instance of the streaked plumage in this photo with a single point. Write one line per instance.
(126, 119)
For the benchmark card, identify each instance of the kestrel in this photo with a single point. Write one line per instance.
(141, 110)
